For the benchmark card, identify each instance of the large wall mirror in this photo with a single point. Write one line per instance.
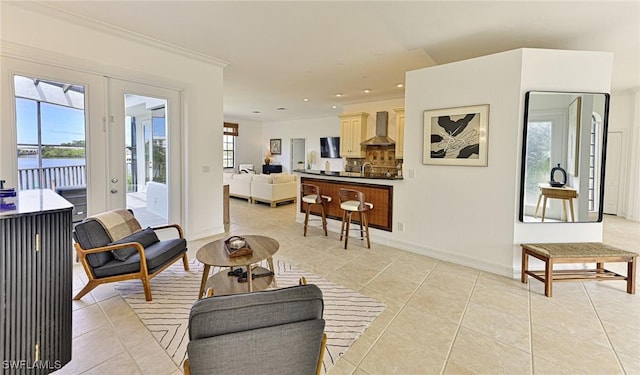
(568, 130)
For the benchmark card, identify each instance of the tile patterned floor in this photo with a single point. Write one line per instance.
(445, 319)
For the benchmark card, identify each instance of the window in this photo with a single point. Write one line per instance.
(596, 124)
(229, 145)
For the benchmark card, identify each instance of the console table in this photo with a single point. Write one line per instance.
(563, 193)
(271, 168)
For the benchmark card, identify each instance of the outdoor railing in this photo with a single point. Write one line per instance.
(52, 177)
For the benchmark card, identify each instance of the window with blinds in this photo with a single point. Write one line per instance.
(229, 144)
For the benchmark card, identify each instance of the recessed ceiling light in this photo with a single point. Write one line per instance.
(306, 99)
(338, 95)
(400, 85)
(367, 90)
(281, 109)
(256, 112)
(334, 106)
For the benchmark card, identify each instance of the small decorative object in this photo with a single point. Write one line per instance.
(237, 246)
(7, 205)
(456, 136)
(275, 146)
(554, 172)
(327, 166)
(267, 157)
(311, 158)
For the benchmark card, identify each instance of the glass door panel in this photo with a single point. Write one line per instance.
(147, 189)
(145, 173)
(50, 138)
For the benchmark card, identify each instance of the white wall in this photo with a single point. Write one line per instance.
(36, 33)
(249, 148)
(632, 171)
(623, 118)
(311, 130)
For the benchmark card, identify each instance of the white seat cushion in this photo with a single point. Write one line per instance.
(353, 205)
(311, 198)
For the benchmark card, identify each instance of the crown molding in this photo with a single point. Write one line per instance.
(36, 55)
(74, 18)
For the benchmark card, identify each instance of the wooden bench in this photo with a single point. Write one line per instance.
(586, 252)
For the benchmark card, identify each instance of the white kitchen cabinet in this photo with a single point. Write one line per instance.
(353, 130)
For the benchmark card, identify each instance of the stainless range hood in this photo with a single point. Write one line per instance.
(382, 128)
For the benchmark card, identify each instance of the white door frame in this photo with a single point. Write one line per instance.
(116, 157)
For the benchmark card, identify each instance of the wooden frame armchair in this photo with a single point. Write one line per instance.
(146, 256)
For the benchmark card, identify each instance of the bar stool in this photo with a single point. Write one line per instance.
(353, 201)
(311, 195)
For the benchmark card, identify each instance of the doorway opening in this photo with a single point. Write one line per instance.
(298, 153)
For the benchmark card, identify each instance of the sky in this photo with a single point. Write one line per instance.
(59, 124)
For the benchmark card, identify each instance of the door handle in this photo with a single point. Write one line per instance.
(114, 191)
(114, 180)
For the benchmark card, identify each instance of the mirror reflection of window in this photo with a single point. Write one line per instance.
(559, 132)
(538, 158)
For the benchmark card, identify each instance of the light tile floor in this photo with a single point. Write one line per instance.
(441, 319)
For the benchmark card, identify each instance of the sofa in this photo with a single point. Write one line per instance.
(239, 184)
(273, 188)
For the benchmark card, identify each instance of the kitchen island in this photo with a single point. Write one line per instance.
(377, 190)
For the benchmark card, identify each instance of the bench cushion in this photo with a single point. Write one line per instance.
(157, 255)
(577, 250)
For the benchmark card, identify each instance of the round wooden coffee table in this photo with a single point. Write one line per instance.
(215, 254)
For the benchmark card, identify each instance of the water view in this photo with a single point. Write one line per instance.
(30, 162)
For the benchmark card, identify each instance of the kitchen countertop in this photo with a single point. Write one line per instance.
(347, 174)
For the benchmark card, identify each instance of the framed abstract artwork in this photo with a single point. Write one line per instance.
(275, 146)
(456, 136)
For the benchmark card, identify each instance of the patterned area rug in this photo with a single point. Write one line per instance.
(347, 313)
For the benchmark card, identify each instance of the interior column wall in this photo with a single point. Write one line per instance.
(459, 213)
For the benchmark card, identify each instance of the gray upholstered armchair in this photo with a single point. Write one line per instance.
(273, 332)
(112, 246)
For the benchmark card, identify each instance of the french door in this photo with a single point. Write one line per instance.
(108, 156)
(144, 151)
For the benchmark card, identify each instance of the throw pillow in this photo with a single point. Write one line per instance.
(145, 237)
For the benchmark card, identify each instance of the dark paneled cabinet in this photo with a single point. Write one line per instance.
(35, 284)
(271, 168)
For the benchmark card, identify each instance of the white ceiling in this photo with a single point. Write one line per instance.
(282, 52)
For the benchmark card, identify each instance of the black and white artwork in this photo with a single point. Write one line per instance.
(456, 136)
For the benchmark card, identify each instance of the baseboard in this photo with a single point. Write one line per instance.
(416, 248)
